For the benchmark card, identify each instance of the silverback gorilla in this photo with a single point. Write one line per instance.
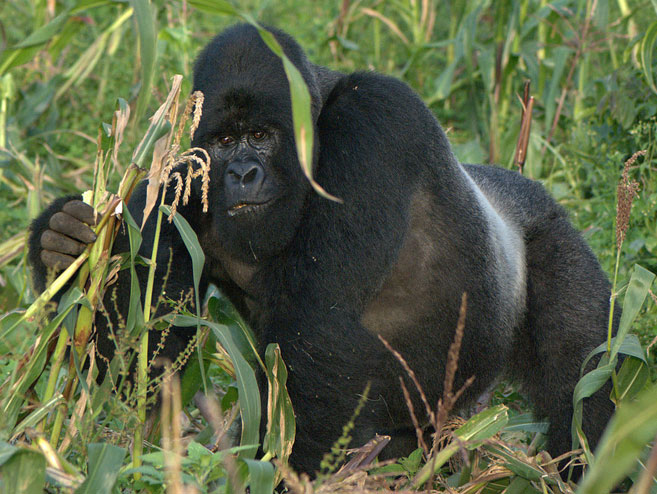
(416, 229)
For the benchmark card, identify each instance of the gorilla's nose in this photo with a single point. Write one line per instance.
(244, 177)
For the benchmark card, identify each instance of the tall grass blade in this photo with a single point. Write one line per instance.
(147, 50)
(86, 63)
(33, 419)
(190, 239)
(560, 57)
(214, 7)
(247, 385)
(646, 50)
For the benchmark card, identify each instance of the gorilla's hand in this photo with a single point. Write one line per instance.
(68, 234)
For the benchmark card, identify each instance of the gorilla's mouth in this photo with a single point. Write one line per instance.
(243, 208)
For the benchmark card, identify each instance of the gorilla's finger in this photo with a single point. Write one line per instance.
(56, 242)
(56, 260)
(80, 210)
(65, 223)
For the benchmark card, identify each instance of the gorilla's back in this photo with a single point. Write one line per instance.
(518, 199)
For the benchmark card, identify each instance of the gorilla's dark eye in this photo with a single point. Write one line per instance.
(226, 140)
(258, 135)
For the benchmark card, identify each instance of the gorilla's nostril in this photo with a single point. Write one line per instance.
(244, 175)
(250, 176)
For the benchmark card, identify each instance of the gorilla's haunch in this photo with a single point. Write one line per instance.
(416, 230)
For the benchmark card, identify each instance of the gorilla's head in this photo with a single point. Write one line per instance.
(257, 187)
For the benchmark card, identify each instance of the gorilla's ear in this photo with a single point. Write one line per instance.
(326, 80)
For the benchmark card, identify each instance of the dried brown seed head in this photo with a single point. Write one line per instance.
(627, 190)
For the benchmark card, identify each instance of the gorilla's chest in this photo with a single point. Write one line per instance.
(224, 267)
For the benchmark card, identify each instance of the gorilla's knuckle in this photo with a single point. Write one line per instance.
(48, 240)
(59, 221)
(56, 260)
(80, 210)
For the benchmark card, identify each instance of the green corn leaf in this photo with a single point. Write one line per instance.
(34, 367)
(520, 485)
(281, 425)
(26, 49)
(261, 476)
(629, 346)
(105, 461)
(135, 317)
(299, 94)
(223, 312)
(632, 378)
(526, 422)
(22, 471)
(646, 50)
(636, 293)
(516, 465)
(632, 427)
(480, 427)
(214, 7)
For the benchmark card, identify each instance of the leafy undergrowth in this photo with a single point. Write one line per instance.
(61, 430)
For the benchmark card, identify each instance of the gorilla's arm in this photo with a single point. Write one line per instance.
(60, 230)
(332, 359)
(173, 280)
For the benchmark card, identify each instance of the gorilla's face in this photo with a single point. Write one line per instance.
(250, 185)
(257, 189)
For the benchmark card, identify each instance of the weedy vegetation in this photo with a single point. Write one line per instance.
(563, 90)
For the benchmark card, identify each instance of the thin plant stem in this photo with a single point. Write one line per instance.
(610, 326)
(57, 424)
(58, 354)
(142, 359)
(612, 300)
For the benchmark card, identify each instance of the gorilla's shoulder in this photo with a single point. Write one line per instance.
(366, 84)
(380, 102)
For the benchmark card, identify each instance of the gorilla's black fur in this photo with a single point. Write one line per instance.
(415, 230)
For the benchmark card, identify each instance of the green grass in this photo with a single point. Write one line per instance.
(591, 70)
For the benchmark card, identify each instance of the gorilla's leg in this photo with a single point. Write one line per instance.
(567, 316)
